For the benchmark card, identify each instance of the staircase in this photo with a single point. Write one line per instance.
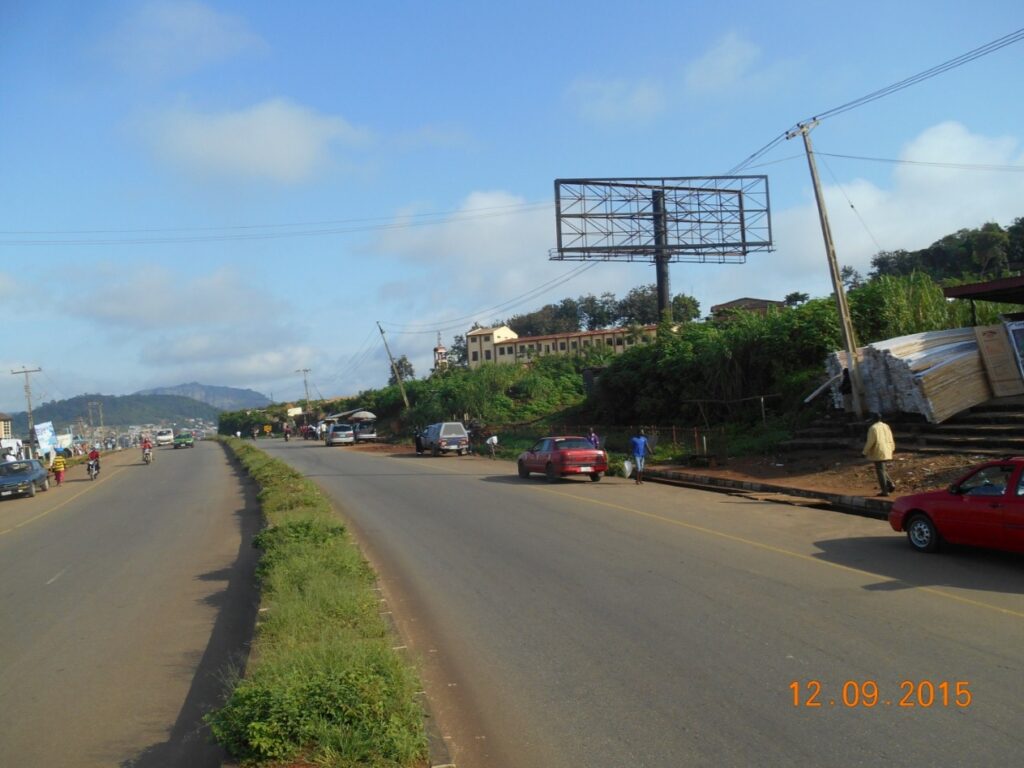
(994, 428)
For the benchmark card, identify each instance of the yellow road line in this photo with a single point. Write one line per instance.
(66, 501)
(778, 550)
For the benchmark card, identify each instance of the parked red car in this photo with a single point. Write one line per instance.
(560, 456)
(984, 508)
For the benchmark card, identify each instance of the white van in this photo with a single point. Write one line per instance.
(164, 437)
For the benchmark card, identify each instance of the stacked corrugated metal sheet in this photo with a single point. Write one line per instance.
(936, 374)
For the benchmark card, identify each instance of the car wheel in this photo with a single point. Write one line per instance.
(595, 476)
(550, 473)
(435, 451)
(31, 489)
(523, 471)
(45, 484)
(922, 534)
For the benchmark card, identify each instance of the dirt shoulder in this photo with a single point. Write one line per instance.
(840, 472)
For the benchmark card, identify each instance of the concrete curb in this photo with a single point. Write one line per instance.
(858, 505)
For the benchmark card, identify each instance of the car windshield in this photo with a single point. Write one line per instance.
(342, 428)
(14, 468)
(573, 442)
(453, 430)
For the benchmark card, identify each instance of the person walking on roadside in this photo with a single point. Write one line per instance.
(879, 448)
(593, 438)
(59, 466)
(492, 444)
(641, 448)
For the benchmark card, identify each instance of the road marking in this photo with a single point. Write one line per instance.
(57, 576)
(779, 550)
(66, 501)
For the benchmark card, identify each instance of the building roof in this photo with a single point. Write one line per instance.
(746, 301)
(576, 334)
(479, 331)
(1006, 290)
(5, 417)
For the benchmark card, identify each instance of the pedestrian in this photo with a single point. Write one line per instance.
(641, 449)
(9, 455)
(593, 438)
(59, 465)
(492, 444)
(878, 448)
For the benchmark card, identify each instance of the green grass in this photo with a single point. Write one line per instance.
(323, 684)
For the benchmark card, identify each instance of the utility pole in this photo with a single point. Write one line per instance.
(661, 256)
(28, 397)
(845, 323)
(394, 368)
(305, 381)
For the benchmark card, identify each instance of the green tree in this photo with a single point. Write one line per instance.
(404, 368)
(796, 298)
(457, 352)
(990, 245)
(598, 312)
(850, 278)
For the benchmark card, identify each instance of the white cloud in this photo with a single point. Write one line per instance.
(725, 65)
(8, 287)
(918, 206)
(165, 38)
(617, 100)
(275, 140)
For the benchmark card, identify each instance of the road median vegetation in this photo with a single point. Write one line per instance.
(322, 685)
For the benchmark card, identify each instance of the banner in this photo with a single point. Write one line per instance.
(46, 437)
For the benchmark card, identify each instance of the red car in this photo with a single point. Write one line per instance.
(560, 456)
(984, 508)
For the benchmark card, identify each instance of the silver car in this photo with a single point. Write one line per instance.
(340, 434)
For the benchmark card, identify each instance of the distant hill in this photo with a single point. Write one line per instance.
(223, 398)
(117, 411)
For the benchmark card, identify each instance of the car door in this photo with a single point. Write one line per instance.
(537, 458)
(1013, 518)
(975, 514)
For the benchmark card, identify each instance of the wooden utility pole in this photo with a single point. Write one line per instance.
(28, 397)
(845, 322)
(394, 368)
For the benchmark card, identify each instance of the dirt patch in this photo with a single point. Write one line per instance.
(845, 472)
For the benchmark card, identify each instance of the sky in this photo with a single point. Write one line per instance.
(231, 192)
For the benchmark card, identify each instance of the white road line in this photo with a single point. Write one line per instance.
(57, 576)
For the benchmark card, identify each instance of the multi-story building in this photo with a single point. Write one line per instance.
(503, 345)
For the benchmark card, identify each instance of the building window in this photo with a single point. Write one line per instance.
(547, 347)
(476, 355)
(487, 354)
(618, 341)
(561, 345)
(608, 342)
(487, 338)
(501, 351)
(573, 343)
(522, 349)
(586, 342)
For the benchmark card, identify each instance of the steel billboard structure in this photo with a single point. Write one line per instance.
(696, 219)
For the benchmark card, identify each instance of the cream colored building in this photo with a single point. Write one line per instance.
(503, 345)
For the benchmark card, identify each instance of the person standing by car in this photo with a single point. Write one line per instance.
(641, 449)
(59, 466)
(879, 448)
(593, 438)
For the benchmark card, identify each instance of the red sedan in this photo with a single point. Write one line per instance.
(984, 508)
(560, 456)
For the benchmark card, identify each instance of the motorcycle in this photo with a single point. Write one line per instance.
(93, 467)
(147, 455)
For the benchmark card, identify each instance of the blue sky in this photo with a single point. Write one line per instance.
(230, 191)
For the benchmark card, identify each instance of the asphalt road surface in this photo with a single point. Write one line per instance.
(610, 625)
(122, 601)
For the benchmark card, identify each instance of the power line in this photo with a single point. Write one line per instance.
(358, 225)
(927, 74)
(931, 164)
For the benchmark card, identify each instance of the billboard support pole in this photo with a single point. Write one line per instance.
(661, 255)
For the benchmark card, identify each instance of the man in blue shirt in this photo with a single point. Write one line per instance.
(641, 448)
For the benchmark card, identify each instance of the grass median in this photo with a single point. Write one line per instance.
(323, 685)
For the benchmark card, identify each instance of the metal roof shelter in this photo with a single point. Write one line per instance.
(1005, 290)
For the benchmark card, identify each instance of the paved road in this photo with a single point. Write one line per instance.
(122, 600)
(605, 624)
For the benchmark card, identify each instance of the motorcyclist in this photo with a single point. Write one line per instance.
(94, 455)
(147, 446)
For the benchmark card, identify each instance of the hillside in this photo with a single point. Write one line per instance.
(117, 411)
(222, 398)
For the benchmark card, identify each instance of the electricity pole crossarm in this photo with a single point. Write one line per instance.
(845, 322)
(394, 368)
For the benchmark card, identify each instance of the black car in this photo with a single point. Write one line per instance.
(22, 478)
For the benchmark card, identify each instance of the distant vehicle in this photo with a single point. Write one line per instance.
(184, 440)
(984, 508)
(23, 478)
(561, 456)
(444, 437)
(340, 434)
(164, 437)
